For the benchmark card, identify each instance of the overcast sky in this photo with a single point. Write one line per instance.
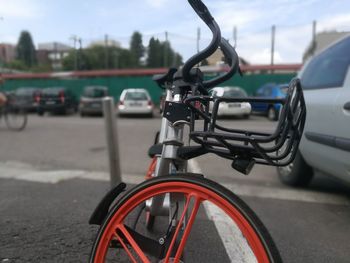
(92, 19)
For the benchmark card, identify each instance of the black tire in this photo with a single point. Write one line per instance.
(272, 114)
(16, 119)
(298, 173)
(235, 202)
(41, 112)
(82, 114)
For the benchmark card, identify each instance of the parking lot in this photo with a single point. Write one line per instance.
(53, 173)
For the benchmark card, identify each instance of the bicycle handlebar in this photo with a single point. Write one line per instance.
(205, 15)
(232, 57)
(229, 52)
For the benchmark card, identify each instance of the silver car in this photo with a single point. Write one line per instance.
(135, 102)
(325, 145)
(91, 100)
(241, 109)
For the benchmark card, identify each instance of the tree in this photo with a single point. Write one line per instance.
(153, 53)
(136, 48)
(161, 54)
(94, 58)
(26, 50)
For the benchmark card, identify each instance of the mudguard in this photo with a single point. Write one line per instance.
(102, 208)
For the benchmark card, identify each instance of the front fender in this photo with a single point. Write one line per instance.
(102, 208)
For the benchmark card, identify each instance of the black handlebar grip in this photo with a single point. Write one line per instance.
(201, 10)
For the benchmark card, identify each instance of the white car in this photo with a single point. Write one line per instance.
(241, 109)
(325, 145)
(135, 102)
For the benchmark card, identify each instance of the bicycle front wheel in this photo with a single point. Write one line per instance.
(15, 118)
(206, 223)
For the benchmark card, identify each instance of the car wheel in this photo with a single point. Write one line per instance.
(41, 112)
(246, 116)
(297, 173)
(82, 114)
(272, 114)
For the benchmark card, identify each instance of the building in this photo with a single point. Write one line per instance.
(7, 53)
(322, 40)
(217, 58)
(52, 53)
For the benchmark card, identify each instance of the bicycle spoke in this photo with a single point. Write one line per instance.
(187, 228)
(125, 247)
(133, 243)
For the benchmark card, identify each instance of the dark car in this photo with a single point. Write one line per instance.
(91, 100)
(57, 100)
(269, 91)
(27, 98)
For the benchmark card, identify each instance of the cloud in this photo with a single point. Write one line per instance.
(339, 21)
(20, 9)
(156, 3)
(264, 57)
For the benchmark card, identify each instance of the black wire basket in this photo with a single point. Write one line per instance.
(247, 147)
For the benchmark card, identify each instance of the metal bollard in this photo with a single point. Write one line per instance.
(112, 140)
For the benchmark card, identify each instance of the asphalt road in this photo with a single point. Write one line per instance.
(308, 225)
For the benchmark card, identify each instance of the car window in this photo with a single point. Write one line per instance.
(95, 93)
(136, 95)
(53, 91)
(267, 91)
(284, 89)
(235, 93)
(328, 69)
(24, 91)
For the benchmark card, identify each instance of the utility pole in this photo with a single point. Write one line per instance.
(106, 51)
(198, 38)
(273, 31)
(235, 37)
(75, 39)
(166, 49)
(313, 37)
(80, 51)
(1, 69)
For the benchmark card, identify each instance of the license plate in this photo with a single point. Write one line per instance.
(50, 102)
(95, 105)
(234, 105)
(136, 104)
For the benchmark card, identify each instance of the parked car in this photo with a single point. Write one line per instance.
(91, 100)
(57, 100)
(270, 91)
(241, 109)
(27, 98)
(325, 144)
(135, 102)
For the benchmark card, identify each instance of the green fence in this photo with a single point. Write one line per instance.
(116, 84)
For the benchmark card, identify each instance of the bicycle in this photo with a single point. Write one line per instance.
(153, 221)
(15, 117)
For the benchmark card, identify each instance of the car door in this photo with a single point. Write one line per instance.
(262, 93)
(326, 141)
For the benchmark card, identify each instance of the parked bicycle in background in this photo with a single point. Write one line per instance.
(15, 117)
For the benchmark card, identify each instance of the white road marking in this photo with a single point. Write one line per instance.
(21, 171)
(237, 247)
